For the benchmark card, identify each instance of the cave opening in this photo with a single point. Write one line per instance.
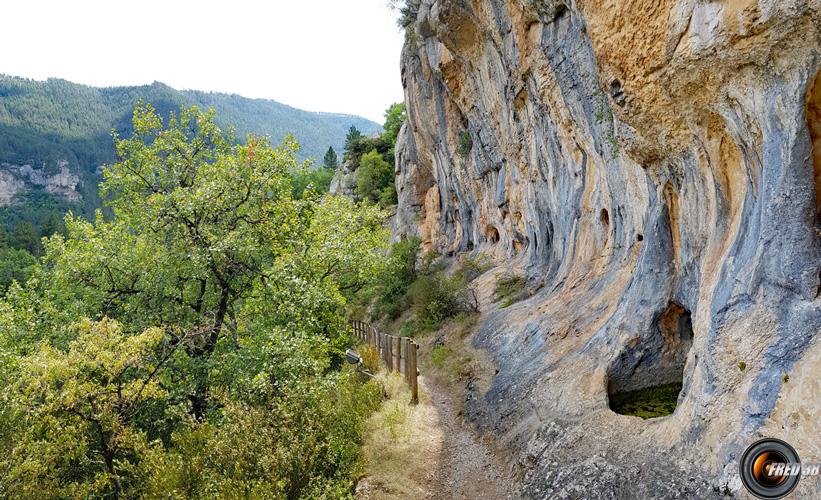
(646, 379)
(605, 217)
(492, 234)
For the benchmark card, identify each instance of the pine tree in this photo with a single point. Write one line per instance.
(330, 161)
(353, 135)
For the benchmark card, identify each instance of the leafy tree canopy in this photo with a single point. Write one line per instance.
(191, 344)
(394, 118)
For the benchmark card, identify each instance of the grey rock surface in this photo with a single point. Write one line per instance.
(653, 171)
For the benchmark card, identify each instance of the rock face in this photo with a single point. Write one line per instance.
(343, 181)
(14, 180)
(654, 169)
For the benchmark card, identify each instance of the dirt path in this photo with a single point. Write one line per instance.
(467, 468)
(429, 454)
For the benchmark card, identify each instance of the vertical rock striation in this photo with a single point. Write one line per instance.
(654, 169)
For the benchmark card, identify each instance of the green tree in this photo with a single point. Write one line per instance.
(353, 135)
(330, 160)
(219, 372)
(15, 265)
(394, 118)
(77, 408)
(373, 176)
(24, 237)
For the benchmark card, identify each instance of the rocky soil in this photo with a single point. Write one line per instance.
(466, 467)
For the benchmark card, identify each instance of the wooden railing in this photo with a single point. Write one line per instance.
(397, 353)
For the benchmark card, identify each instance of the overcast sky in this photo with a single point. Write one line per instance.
(320, 55)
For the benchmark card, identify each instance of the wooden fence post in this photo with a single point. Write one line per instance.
(414, 387)
(397, 363)
(398, 353)
(389, 358)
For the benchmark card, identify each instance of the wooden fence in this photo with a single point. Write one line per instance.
(397, 353)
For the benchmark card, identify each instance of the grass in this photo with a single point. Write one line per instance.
(402, 444)
(651, 402)
(465, 143)
(440, 354)
(510, 289)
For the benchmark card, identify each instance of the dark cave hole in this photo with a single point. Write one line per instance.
(605, 217)
(492, 234)
(639, 237)
(561, 10)
(646, 379)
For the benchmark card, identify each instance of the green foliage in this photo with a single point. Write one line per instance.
(330, 160)
(25, 237)
(742, 365)
(56, 119)
(408, 12)
(363, 145)
(440, 354)
(302, 445)
(374, 178)
(394, 118)
(399, 275)
(657, 401)
(74, 438)
(421, 285)
(510, 289)
(465, 143)
(15, 265)
(211, 362)
(353, 135)
(318, 179)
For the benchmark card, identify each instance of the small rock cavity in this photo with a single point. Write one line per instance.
(646, 379)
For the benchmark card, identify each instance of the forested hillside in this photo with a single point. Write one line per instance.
(63, 131)
(56, 119)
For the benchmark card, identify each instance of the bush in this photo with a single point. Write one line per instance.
(319, 180)
(373, 176)
(15, 265)
(305, 445)
(371, 360)
(465, 143)
(439, 354)
(398, 277)
(510, 289)
(388, 196)
(420, 284)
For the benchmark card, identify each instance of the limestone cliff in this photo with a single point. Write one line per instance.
(653, 167)
(17, 179)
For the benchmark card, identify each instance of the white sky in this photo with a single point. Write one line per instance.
(320, 55)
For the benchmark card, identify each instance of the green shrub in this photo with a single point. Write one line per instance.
(400, 273)
(371, 360)
(510, 289)
(440, 354)
(471, 268)
(388, 196)
(465, 143)
(303, 445)
(373, 176)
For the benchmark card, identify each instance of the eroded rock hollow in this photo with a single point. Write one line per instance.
(653, 168)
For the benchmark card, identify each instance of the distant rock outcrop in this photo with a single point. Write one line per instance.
(653, 168)
(16, 179)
